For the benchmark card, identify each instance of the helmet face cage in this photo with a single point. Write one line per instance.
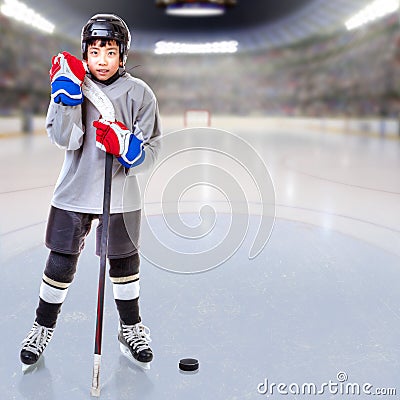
(109, 27)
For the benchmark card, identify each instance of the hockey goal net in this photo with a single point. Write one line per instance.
(197, 118)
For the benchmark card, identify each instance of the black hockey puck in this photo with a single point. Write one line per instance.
(188, 364)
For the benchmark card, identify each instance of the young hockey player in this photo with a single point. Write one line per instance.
(73, 123)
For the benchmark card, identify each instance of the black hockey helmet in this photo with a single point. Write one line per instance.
(107, 26)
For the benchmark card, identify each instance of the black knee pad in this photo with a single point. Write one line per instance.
(120, 267)
(61, 267)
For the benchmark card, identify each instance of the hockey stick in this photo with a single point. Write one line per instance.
(106, 108)
(95, 391)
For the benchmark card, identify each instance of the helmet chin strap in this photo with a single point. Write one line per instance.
(121, 71)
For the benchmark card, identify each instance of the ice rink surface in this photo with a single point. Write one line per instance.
(320, 303)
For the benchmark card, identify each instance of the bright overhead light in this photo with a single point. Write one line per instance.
(195, 8)
(163, 47)
(376, 9)
(22, 13)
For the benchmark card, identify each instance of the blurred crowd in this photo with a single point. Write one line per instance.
(346, 74)
(25, 57)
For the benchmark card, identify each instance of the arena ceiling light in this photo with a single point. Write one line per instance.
(376, 9)
(163, 47)
(21, 12)
(195, 8)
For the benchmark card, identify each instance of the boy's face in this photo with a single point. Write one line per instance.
(103, 62)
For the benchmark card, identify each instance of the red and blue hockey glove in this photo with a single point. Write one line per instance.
(117, 139)
(66, 75)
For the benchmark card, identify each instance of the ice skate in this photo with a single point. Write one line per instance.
(134, 344)
(33, 346)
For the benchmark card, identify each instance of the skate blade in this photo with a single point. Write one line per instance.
(125, 351)
(30, 368)
(25, 367)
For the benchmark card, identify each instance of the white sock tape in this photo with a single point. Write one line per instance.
(52, 295)
(129, 291)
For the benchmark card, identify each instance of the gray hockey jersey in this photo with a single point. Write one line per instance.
(80, 184)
